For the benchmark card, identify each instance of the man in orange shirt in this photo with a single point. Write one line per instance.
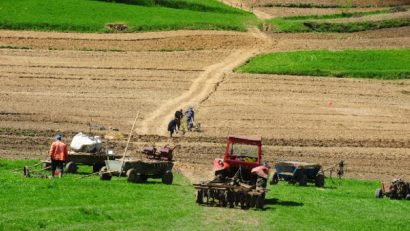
(58, 155)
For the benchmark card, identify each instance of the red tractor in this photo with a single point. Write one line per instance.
(240, 178)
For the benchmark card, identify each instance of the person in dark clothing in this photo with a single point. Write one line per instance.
(172, 126)
(178, 117)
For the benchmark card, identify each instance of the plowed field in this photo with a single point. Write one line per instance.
(61, 82)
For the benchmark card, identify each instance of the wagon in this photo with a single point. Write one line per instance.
(96, 160)
(298, 172)
(138, 171)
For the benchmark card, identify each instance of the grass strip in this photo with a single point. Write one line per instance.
(373, 64)
(281, 25)
(93, 16)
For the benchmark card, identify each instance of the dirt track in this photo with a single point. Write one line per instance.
(63, 82)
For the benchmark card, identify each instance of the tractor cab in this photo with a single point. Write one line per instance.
(240, 151)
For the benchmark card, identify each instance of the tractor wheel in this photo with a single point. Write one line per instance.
(199, 196)
(131, 175)
(71, 167)
(260, 201)
(302, 180)
(170, 157)
(320, 180)
(167, 177)
(275, 179)
(378, 193)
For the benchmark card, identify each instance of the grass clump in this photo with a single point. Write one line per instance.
(374, 64)
(93, 15)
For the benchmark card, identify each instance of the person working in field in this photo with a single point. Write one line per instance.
(58, 155)
(172, 126)
(190, 116)
(178, 116)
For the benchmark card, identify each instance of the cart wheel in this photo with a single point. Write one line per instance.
(378, 193)
(260, 201)
(71, 167)
(408, 197)
(199, 196)
(275, 179)
(131, 175)
(167, 177)
(302, 180)
(320, 180)
(97, 167)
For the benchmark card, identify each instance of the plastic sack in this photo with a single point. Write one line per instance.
(83, 143)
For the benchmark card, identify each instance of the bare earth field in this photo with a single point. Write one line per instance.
(61, 81)
(366, 3)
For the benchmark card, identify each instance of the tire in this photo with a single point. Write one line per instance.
(167, 178)
(131, 175)
(199, 196)
(302, 180)
(275, 179)
(97, 167)
(105, 176)
(320, 180)
(378, 193)
(71, 167)
(260, 201)
(408, 197)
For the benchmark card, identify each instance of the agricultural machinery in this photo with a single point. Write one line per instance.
(298, 172)
(164, 153)
(85, 150)
(240, 179)
(154, 164)
(397, 189)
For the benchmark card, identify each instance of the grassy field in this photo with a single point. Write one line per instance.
(312, 23)
(91, 204)
(378, 64)
(93, 15)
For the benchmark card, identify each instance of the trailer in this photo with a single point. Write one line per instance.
(298, 172)
(138, 171)
(96, 160)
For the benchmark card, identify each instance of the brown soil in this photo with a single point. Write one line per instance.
(377, 3)
(364, 122)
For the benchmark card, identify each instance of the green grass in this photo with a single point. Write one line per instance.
(378, 64)
(90, 204)
(334, 16)
(93, 15)
(311, 23)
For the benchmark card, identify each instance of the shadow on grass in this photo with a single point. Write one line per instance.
(275, 201)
